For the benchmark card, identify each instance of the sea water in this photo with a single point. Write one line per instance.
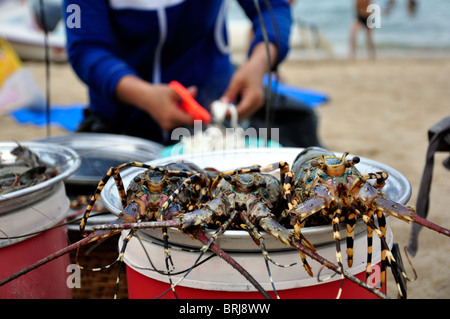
(427, 32)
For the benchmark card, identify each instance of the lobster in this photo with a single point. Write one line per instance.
(144, 200)
(324, 188)
(250, 199)
(26, 170)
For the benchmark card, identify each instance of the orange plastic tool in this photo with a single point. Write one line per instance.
(189, 104)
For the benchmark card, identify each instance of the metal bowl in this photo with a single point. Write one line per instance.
(63, 157)
(99, 151)
(397, 188)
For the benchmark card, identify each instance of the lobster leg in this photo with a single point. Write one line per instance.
(369, 252)
(380, 179)
(283, 166)
(301, 211)
(120, 260)
(265, 219)
(111, 172)
(351, 223)
(260, 241)
(219, 252)
(385, 250)
(199, 194)
(205, 247)
(170, 199)
(312, 254)
(131, 213)
(386, 255)
(337, 239)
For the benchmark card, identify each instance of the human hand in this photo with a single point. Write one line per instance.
(163, 106)
(247, 82)
(159, 101)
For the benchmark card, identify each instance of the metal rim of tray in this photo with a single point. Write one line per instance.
(98, 150)
(397, 188)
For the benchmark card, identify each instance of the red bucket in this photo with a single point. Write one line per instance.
(143, 287)
(45, 282)
(215, 279)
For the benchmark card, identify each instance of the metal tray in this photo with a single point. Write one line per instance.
(64, 157)
(397, 188)
(99, 151)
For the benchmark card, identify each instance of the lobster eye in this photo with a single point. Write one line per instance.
(356, 159)
(247, 179)
(155, 176)
(227, 177)
(137, 179)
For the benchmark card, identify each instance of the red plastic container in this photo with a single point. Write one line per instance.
(215, 279)
(48, 281)
(142, 287)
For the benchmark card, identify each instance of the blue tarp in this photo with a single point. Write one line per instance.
(309, 97)
(67, 117)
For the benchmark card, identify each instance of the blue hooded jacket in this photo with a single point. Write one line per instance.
(159, 41)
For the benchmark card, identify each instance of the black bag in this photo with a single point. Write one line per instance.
(297, 122)
(439, 141)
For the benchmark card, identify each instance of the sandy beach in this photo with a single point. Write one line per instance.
(379, 109)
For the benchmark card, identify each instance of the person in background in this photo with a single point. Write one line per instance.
(412, 7)
(361, 22)
(389, 5)
(128, 51)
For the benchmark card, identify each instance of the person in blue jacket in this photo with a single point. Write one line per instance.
(127, 51)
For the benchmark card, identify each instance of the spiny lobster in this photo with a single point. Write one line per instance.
(322, 187)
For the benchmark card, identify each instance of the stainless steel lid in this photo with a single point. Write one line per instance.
(99, 151)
